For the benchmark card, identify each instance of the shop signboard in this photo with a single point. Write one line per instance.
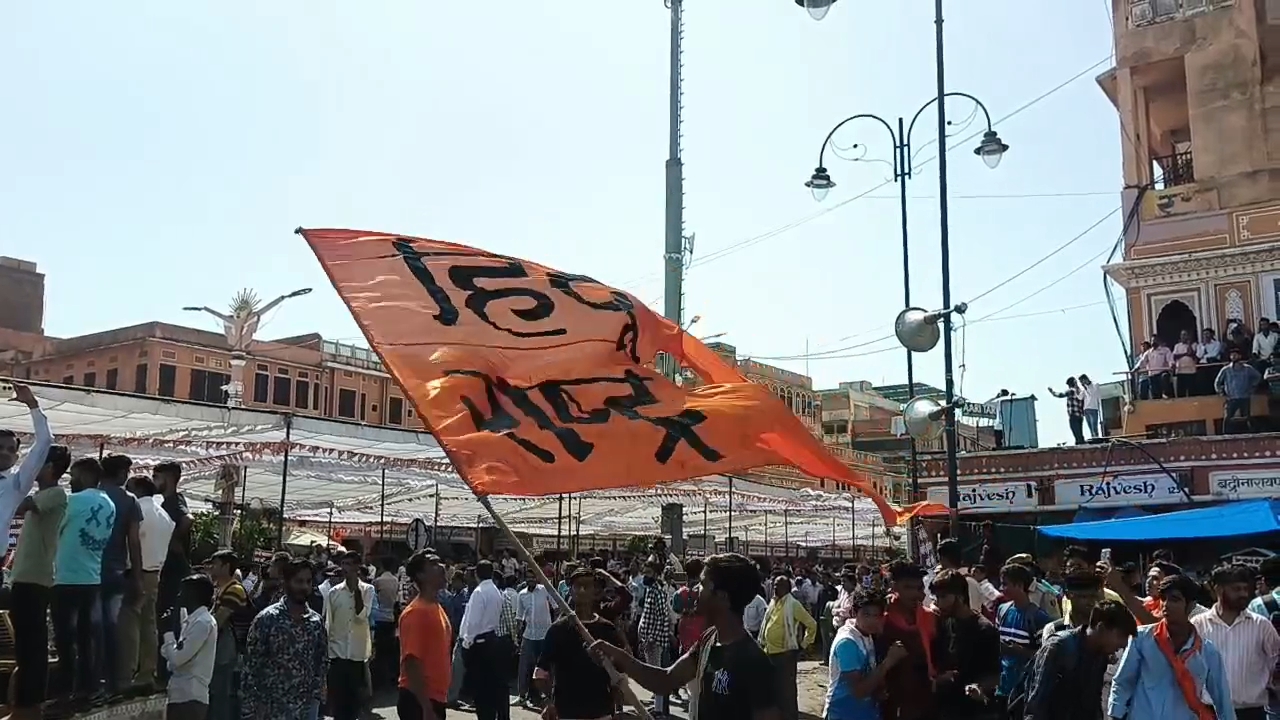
(1244, 484)
(1119, 490)
(989, 496)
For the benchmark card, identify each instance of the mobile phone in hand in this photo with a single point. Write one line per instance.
(1106, 556)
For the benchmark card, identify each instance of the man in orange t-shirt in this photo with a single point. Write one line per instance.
(426, 644)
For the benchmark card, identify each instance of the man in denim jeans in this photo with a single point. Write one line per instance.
(121, 570)
(1236, 382)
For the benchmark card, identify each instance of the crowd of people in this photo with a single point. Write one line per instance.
(1064, 636)
(1235, 368)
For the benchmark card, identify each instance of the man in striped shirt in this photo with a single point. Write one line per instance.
(1247, 642)
(1021, 624)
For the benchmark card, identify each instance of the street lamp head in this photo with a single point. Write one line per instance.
(299, 293)
(817, 8)
(820, 183)
(991, 149)
(193, 308)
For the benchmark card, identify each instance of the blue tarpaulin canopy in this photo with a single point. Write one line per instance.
(1250, 517)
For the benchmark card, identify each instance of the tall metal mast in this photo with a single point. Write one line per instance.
(677, 249)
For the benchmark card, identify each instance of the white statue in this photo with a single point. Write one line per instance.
(242, 323)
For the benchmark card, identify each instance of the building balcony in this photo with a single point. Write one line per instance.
(1176, 170)
(1151, 12)
(1155, 413)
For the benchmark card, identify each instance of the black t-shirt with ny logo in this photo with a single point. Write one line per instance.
(737, 680)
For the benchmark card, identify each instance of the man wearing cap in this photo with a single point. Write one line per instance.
(843, 610)
(1041, 593)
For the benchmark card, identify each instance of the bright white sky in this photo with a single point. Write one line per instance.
(159, 154)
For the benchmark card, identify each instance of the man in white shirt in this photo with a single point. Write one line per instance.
(386, 666)
(191, 656)
(481, 653)
(16, 484)
(997, 425)
(510, 564)
(138, 622)
(533, 611)
(1264, 343)
(753, 615)
(1247, 642)
(346, 616)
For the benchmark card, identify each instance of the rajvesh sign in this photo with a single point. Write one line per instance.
(989, 496)
(1245, 484)
(1117, 491)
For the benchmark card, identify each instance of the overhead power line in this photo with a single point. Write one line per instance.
(897, 348)
(833, 352)
(751, 241)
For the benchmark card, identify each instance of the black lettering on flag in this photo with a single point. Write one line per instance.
(466, 278)
(568, 410)
(447, 313)
(619, 302)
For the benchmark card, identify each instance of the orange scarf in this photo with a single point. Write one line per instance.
(926, 625)
(1154, 606)
(1186, 683)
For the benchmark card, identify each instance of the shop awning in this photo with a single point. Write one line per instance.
(1250, 517)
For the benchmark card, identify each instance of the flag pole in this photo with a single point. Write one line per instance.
(614, 677)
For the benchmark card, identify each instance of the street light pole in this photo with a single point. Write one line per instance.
(953, 464)
(991, 149)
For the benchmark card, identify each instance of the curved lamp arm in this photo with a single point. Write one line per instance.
(892, 136)
(934, 100)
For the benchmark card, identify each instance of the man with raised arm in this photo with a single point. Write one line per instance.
(732, 677)
(16, 483)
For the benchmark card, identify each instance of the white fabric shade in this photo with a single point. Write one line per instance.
(338, 467)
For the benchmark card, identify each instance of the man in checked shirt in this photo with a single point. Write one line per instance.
(654, 630)
(1075, 408)
(509, 628)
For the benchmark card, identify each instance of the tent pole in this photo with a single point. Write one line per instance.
(559, 522)
(284, 479)
(382, 510)
(786, 534)
(729, 539)
(627, 693)
(435, 520)
(329, 536)
(705, 539)
(244, 481)
(853, 530)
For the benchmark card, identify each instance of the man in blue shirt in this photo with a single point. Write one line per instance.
(1148, 685)
(1021, 623)
(856, 678)
(83, 535)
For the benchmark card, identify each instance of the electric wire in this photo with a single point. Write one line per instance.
(823, 353)
(1073, 271)
(1044, 259)
(897, 348)
(755, 240)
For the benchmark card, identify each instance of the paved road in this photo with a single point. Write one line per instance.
(811, 681)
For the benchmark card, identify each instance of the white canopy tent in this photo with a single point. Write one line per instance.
(355, 473)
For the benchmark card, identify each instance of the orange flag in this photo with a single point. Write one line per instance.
(539, 382)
